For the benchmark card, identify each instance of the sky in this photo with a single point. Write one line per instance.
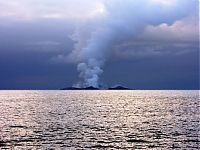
(142, 44)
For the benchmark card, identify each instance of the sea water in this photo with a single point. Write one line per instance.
(99, 120)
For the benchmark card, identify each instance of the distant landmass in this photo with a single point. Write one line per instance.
(76, 88)
(94, 88)
(119, 88)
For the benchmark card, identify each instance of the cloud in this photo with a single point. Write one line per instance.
(44, 46)
(100, 31)
(124, 21)
(136, 50)
(104, 28)
(49, 9)
(186, 29)
(181, 24)
(60, 59)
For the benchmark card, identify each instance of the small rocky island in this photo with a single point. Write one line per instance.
(94, 88)
(119, 88)
(77, 88)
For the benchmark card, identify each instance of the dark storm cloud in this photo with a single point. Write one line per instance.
(153, 72)
(144, 49)
(26, 50)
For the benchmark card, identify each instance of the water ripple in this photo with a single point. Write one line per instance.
(99, 120)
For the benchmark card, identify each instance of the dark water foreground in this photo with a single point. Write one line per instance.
(99, 120)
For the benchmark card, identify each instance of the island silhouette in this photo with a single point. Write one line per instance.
(95, 88)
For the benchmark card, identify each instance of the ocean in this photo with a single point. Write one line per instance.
(71, 120)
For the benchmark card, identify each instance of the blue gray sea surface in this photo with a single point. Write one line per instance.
(99, 120)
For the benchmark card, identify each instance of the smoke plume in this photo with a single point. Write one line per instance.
(119, 21)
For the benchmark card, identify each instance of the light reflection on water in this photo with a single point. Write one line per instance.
(99, 119)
